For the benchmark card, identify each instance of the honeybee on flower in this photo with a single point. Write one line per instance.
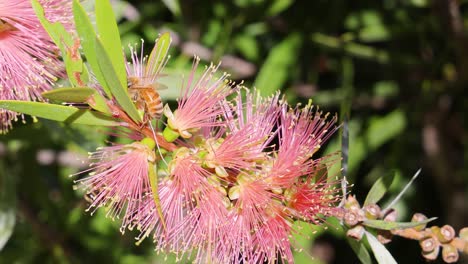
(143, 74)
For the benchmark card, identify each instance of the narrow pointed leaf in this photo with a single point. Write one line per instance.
(158, 54)
(384, 225)
(274, 72)
(153, 176)
(110, 37)
(78, 95)
(397, 198)
(116, 88)
(380, 252)
(379, 189)
(97, 102)
(7, 204)
(70, 94)
(64, 41)
(173, 6)
(87, 36)
(55, 30)
(66, 114)
(360, 250)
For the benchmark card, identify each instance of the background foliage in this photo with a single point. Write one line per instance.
(395, 68)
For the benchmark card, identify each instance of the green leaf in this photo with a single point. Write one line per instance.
(278, 6)
(275, 70)
(380, 252)
(173, 6)
(79, 95)
(378, 190)
(385, 225)
(153, 176)
(158, 55)
(88, 35)
(116, 88)
(55, 30)
(110, 37)
(380, 131)
(397, 198)
(360, 250)
(63, 40)
(98, 102)
(70, 94)
(7, 205)
(66, 114)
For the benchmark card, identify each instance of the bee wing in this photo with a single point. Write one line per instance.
(158, 57)
(160, 86)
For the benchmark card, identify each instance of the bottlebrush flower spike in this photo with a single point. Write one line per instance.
(301, 134)
(259, 218)
(200, 103)
(29, 61)
(118, 178)
(250, 126)
(312, 198)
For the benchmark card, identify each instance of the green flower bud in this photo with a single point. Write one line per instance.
(431, 255)
(356, 232)
(372, 211)
(449, 253)
(418, 218)
(170, 135)
(428, 244)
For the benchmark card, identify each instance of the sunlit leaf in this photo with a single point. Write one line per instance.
(7, 206)
(278, 6)
(87, 36)
(117, 90)
(385, 225)
(378, 190)
(70, 94)
(380, 252)
(158, 54)
(55, 30)
(63, 40)
(384, 128)
(361, 251)
(172, 5)
(7, 224)
(66, 114)
(78, 95)
(274, 72)
(110, 39)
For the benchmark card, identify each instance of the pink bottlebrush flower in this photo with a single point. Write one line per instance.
(302, 133)
(200, 103)
(202, 232)
(312, 198)
(259, 219)
(273, 240)
(237, 151)
(250, 125)
(29, 61)
(178, 195)
(251, 108)
(118, 179)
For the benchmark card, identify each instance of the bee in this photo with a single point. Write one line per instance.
(90, 196)
(142, 87)
(145, 97)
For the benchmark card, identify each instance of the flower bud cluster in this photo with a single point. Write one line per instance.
(432, 239)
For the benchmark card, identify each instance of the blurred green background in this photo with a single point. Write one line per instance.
(397, 68)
